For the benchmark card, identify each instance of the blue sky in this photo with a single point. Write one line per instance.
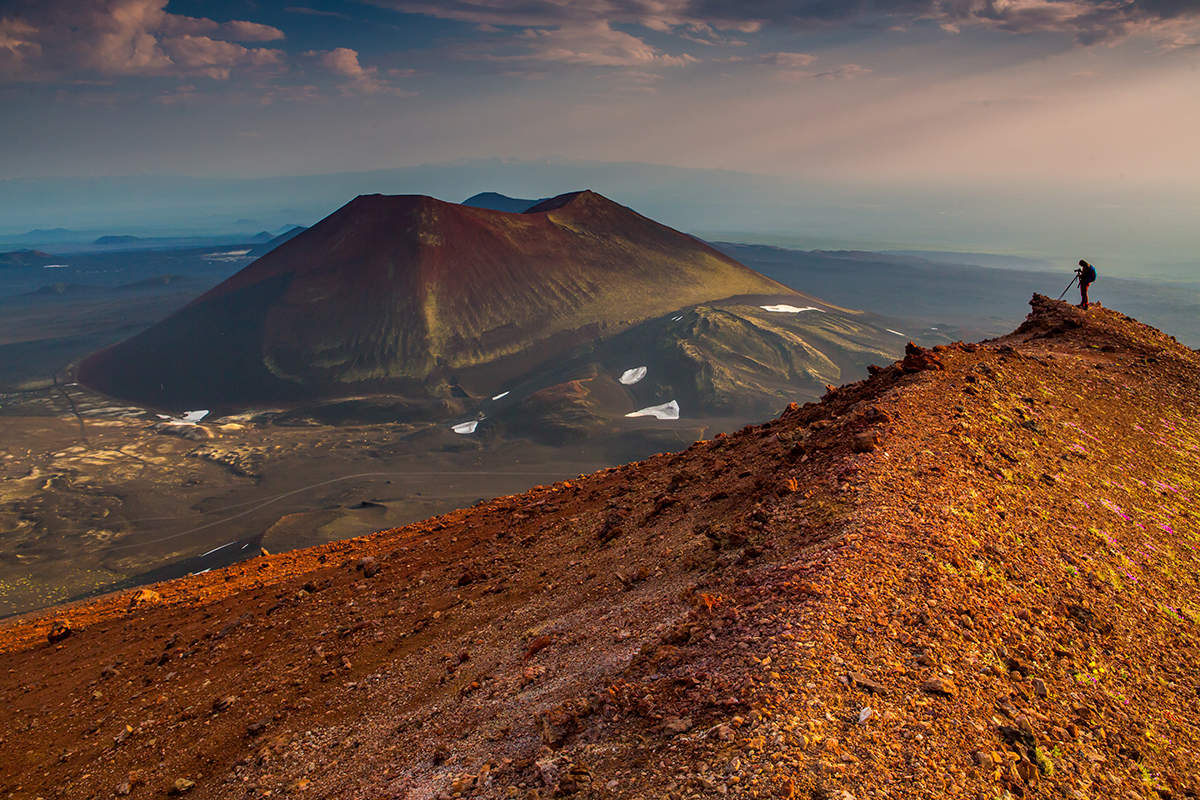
(888, 96)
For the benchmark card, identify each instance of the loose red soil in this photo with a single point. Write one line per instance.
(971, 575)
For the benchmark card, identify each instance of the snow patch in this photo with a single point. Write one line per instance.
(215, 549)
(194, 416)
(465, 427)
(631, 376)
(676, 319)
(500, 396)
(665, 411)
(55, 266)
(784, 308)
(898, 333)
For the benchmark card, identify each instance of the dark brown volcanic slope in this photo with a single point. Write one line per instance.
(405, 292)
(972, 575)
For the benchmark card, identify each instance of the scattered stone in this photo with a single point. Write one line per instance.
(223, 703)
(865, 714)
(940, 686)
(577, 778)
(262, 551)
(917, 359)
(369, 566)
(876, 415)
(59, 630)
(550, 770)
(144, 597)
(123, 789)
(537, 644)
(181, 786)
(677, 725)
(865, 442)
(863, 682)
(1039, 687)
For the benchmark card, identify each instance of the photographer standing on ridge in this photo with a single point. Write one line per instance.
(1086, 275)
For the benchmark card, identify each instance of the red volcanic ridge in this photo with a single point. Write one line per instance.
(401, 293)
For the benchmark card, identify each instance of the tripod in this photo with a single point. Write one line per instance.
(1069, 285)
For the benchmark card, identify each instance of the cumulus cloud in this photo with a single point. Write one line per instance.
(343, 62)
(47, 38)
(1087, 21)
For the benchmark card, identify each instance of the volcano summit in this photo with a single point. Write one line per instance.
(407, 294)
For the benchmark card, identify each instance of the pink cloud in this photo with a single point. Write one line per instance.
(343, 62)
(126, 37)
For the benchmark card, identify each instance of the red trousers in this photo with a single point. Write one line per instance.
(1083, 287)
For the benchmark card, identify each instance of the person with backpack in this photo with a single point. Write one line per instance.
(1087, 276)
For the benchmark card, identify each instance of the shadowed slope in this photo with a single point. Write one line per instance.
(403, 292)
(973, 574)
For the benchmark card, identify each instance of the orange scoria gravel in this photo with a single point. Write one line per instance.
(973, 574)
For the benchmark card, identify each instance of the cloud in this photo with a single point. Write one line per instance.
(213, 58)
(313, 12)
(1175, 22)
(845, 72)
(1086, 21)
(791, 60)
(18, 45)
(595, 44)
(343, 62)
(579, 32)
(55, 38)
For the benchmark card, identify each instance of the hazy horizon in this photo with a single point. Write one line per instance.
(713, 204)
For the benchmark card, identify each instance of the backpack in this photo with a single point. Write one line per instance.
(1088, 274)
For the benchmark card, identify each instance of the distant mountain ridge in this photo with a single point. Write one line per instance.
(25, 258)
(501, 202)
(116, 238)
(272, 242)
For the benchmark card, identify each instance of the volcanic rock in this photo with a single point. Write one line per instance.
(59, 630)
(144, 597)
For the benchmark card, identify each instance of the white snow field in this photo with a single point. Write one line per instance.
(898, 333)
(665, 411)
(500, 396)
(631, 376)
(194, 416)
(465, 427)
(784, 308)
